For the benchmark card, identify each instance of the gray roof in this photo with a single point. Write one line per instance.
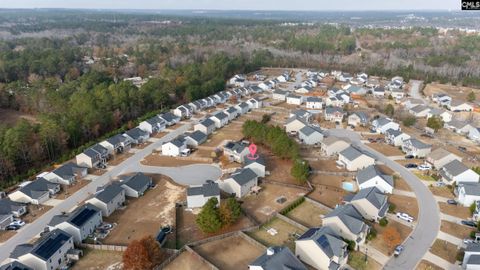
(381, 121)
(67, 171)
(178, 142)
(136, 181)
(109, 192)
(169, 117)
(473, 247)
(117, 139)
(327, 240)
(294, 96)
(208, 189)
(314, 99)
(231, 110)
(221, 115)
(15, 265)
(7, 206)
(331, 110)
(436, 111)
(372, 171)
(260, 160)
(243, 176)
(243, 105)
(45, 247)
(373, 195)
(393, 132)
(280, 92)
(457, 124)
(78, 217)
(154, 121)
(207, 122)
(419, 108)
(474, 259)
(351, 153)
(38, 188)
(471, 188)
(455, 167)
(136, 133)
(379, 89)
(350, 217)
(418, 144)
(308, 130)
(197, 136)
(281, 259)
(363, 116)
(235, 147)
(301, 113)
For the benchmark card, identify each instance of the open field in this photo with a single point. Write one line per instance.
(327, 195)
(99, 260)
(455, 210)
(442, 192)
(67, 191)
(445, 250)
(187, 261)
(264, 205)
(426, 265)
(308, 214)
(356, 260)
(229, 253)
(10, 117)
(404, 204)
(379, 242)
(35, 211)
(117, 159)
(456, 230)
(147, 214)
(5, 235)
(456, 92)
(386, 149)
(159, 160)
(286, 234)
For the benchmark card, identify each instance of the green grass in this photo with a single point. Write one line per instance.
(424, 177)
(357, 261)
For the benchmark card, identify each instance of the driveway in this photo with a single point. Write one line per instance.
(415, 90)
(428, 223)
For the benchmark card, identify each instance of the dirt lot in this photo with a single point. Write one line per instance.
(232, 131)
(67, 191)
(356, 260)
(188, 231)
(264, 205)
(5, 235)
(147, 214)
(174, 127)
(455, 210)
(426, 265)
(166, 161)
(10, 117)
(327, 195)
(386, 149)
(285, 234)
(379, 242)
(445, 250)
(404, 204)
(279, 168)
(230, 253)
(326, 165)
(35, 211)
(308, 214)
(99, 260)
(456, 230)
(187, 261)
(117, 159)
(442, 192)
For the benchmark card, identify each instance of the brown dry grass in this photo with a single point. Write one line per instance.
(67, 191)
(404, 204)
(143, 145)
(442, 192)
(327, 195)
(35, 211)
(400, 183)
(456, 230)
(5, 235)
(284, 237)
(160, 135)
(445, 250)
(308, 214)
(379, 242)
(117, 159)
(455, 210)
(166, 161)
(187, 261)
(99, 260)
(386, 149)
(426, 265)
(232, 132)
(326, 165)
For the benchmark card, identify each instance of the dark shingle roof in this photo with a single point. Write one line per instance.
(15, 265)
(308, 130)
(67, 170)
(221, 115)
(136, 133)
(117, 139)
(331, 110)
(350, 217)
(109, 192)
(260, 160)
(373, 195)
(207, 122)
(281, 259)
(243, 176)
(327, 240)
(38, 188)
(208, 189)
(197, 136)
(136, 181)
(45, 247)
(370, 172)
(7, 206)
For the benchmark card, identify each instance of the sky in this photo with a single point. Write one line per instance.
(314, 5)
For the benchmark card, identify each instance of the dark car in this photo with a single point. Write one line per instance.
(469, 223)
(409, 157)
(452, 202)
(411, 166)
(463, 149)
(12, 227)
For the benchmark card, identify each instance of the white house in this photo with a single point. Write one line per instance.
(231, 112)
(279, 95)
(108, 198)
(242, 108)
(197, 196)
(382, 124)
(334, 114)
(294, 124)
(175, 147)
(238, 80)
(135, 185)
(358, 119)
(460, 127)
(442, 99)
(412, 102)
(206, 126)
(254, 103)
(474, 134)
(441, 157)
(395, 137)
(314, 103)
(240, 182)
(347, 222)
(459, 106)
(419, 111)
(92, 157)
(257, 165)
(468, 193)
(332, 145)
(471, 258)
(416, 148)
(235, 151)
(456, 172)
(310, 135)
(371, 176)
(35, 192)
(446, 116)
(170, 119)
(294, 99)
(378, 92)
(182, 111)
(220, 118)
(353, 159)
(116, 144)
(66, 174)
(152, 125)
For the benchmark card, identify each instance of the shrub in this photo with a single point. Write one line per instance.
(350, 244)
(292, 206)
(383, 222)
(472, 208)
(409, 121)
(391, 208)
(372, 234)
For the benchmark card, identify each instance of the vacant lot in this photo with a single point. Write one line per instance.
(231, 132)
(404, 204)
(379, 242)
(188, 231)
(160, 134)
(265, 204)
(326, 165)
(230, 253)
(99, 260)
(308, 214)
(279, 168)
(456, 92)
(455, 229)
(442, 192)
(187, 261)
(445, 250)
(143, 145)
(356, 260)
(147, 214)
(10, 117)
(327, 195)
(426, 265)
(117, 159)
(35, 211)
(166, 161)
(67, 191)
(455, 210)
(386, 149)
(285, 236)
(329, 180)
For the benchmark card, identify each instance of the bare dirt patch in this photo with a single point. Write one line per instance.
(455, 210)
(401, 184)
(386, 149)
(187, 261)
(308, 214)
(229, 253)
(5, 235)
(232, 132)
(67, 191)
(327, 195)
(456, 230)
(328, 180)
(326, 165)
(404, 204)
(379, 242)
(143, 145)
(285, 236)
(445, 250)
(160, 135)
(426, 265)
(99, 260)
(35, 211)
(167, 161)
(117, 159)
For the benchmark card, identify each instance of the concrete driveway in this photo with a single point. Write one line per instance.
(428, 223)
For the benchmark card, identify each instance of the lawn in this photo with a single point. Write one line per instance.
(357, 261)
(147, 214)
(231, 132)
(379, 242)
(455, 229)
(400, 183)
(442, 192)
(445, 250)
(308, 214)
(425, 177)
(286, 234)
(328, 180)
(229, 253)
(5, 235)
(67, 190)
(327, 195)
(386, 149)
(187, 261)
(159, 160)
(426, 265)
(119, 158)
(99, 260)
(328, 165)
(404, 204)
(455, 210)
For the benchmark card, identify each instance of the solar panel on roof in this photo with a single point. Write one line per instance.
(50, 246)
(82, 217)
(323, 242)
(308, 233)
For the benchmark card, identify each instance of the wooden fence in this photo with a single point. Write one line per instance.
(104, 247)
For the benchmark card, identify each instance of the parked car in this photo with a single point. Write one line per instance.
(463, 149)
(398, 250)
(411, 166)
(425, 167)
(468, 241)
(469, 223)
(405, 217)
(409, 157)
(18, 222)
(12, 227)
(452, 202)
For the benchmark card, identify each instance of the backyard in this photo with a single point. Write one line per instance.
(187, 261)
(455, 210)
(327, 195)
(404, 204)
(308, 214)
(99, 260)
(277, 233)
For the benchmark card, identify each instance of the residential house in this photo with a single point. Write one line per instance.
(457, 126)
(14, 265)
(396, 83)
(460, 106)
(442, 99)
(354, 159)
(322, 248)
(378, 92)
(305, 115)
(294, 124)
(468, 193)
(242, 108)
(332, 145)
(235, 151)
(275, 258)
(238, 80)
(371, 203)
(116, 144)
(397, 93)
(109, 198)
(232, 113)
(334, 101)
(152, 125)
(254, 103)
(266, 85)
(441, 113)
(344, 77)
(372, 83)
(170, 119)
(137, 135)
(240, 182)
(456, 172)
(197, 196)
(371, 176)
(35, 192)
(356, 90)
(310, 135)
(474, 134)
(395, 137)
(303, 90)
(182, 111)
(257, 165)
(347, 222)
(93, 157)
(358, 119)
(314, 103)
(441, 157)
(382, 124)
(194, 139)
(206, 126)
(412, 102)
(175, 147)
(419, 111)
(136, 185)
(255, 89)
(66, 174)
(47, 253)
(8, 210)
(471, 257)
(220, 118)
(334, 114)
(416, 148)
(283, 78)
(80, 223)
(294, 99)
(220, 97)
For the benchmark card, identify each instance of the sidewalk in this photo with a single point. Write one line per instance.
(440, 262)
(450, 238)
(374, 254)
(450, 218)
